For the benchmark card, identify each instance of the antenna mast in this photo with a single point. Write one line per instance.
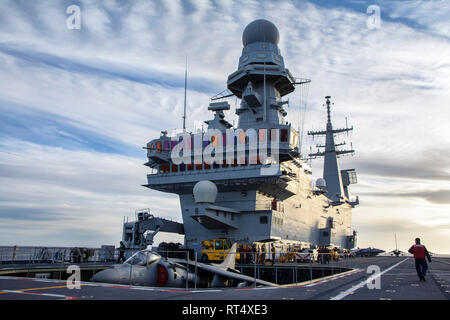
(185, 87)
(337, 180)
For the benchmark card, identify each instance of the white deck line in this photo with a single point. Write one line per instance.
(345, 293)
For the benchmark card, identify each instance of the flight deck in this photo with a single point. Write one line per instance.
(398, 281)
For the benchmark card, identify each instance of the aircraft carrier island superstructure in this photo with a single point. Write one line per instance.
(249, 183)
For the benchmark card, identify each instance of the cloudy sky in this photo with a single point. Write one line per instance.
(77, 105)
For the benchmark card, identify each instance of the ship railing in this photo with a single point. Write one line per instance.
(56, 255)
(177, 131)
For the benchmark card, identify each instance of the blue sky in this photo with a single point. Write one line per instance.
(78, 105)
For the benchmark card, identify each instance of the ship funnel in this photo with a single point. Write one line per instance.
(205, 191)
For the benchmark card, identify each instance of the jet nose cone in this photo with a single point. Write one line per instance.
(107, 276)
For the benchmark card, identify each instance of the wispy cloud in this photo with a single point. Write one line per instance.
(78, 105)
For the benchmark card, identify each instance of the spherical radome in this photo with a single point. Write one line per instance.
(321, 183)
(205, 192)
(260, 31)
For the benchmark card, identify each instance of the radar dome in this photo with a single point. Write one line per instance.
(205, 192)
(321, 183)
(260, 31)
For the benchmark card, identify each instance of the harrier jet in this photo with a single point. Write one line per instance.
(148, 268)
(367, 252)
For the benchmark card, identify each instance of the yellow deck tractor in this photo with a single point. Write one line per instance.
(216, 250)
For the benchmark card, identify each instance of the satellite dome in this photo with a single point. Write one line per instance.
(260, 31)
(205, 192)
(321, 183)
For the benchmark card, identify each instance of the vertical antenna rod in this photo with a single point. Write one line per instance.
(185, 87)
(265, 106)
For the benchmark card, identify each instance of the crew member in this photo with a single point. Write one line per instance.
(272, 249)
(263, 253)
(258, 256)
(121, 252)
(419, 251)
(243, 255)
(254, 255)
(248, 252)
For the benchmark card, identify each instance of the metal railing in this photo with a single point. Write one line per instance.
(34, 255)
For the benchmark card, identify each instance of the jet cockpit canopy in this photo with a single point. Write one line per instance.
(143, 258)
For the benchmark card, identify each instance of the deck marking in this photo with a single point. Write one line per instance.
(33, 289)
(42, 288)
(342, 295)
(41, 294)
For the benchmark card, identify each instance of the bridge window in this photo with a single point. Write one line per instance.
(252, 136)
(242, 137)
(254, 160)
(262, 135)
(224, 164)
(284, 135)
(273, 134)
(163, 169)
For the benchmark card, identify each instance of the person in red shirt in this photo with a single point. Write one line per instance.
(419, 251)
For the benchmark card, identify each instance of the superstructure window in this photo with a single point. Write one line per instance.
(284, 135)
(263, 220)
(331, 224)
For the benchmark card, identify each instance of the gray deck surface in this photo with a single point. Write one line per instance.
(397, 283)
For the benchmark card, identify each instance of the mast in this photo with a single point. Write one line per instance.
(185, 87)
(331, 171)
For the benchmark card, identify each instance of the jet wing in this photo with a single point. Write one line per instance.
(225, 273)
(234, 275)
